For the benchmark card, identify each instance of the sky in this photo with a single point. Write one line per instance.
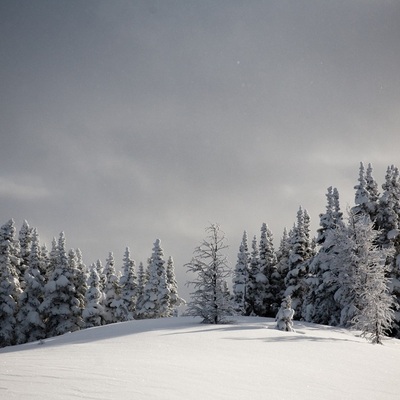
(126, 121)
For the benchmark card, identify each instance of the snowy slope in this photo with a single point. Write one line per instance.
(179, 358)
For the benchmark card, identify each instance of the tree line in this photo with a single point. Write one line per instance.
(348, 274)
(48, 293)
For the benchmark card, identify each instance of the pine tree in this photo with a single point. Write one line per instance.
(254, 269)
(93, 314)
(30, 325)
(141, 283)
(128, 283)
(319, 304)
(61, 307)
(10, 289)
(282, 256)
(174, 300)
(154, 303)
(209, 264)
(115, 309)
(271, 301)
(299, 255)
(241, 278)
(25, 242)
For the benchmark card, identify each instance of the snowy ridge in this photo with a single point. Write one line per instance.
(180, 358)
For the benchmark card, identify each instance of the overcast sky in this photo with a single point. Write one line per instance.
(126, 121)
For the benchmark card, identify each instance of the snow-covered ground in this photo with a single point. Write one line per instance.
(179, 358)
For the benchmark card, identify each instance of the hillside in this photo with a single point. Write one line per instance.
(179, 358)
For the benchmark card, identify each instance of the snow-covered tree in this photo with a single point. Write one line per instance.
(282, 256)
(284, 317)
(373, 313)
(25, 242)
(10, 288)
(30, 325)
(209, 265)
(357, 256)
(252, 298)
(300, 253)
(319, 305)
(115, 309)
(141, 279)
(154, 302)
(128, 283)
(174, 299)
(61, 306)
(241, 278)
(268, 262)
(93, 314)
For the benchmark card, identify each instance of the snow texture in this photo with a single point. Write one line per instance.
(179, 358)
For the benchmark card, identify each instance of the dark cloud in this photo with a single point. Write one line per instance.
(123, 122)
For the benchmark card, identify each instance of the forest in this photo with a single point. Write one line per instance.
(347, 274)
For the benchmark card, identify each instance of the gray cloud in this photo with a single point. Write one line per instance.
(123, 122)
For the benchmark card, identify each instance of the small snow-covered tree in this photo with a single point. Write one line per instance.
(284, 318)
(61, 307)
(299, 255)
(154, 302)
(252, 299)
(30, 325)
(174, 299)
(128, 283)
(93, 314)
(115, 309)
(209, 265)
(10, 288)
(25, 242)
(241, 278)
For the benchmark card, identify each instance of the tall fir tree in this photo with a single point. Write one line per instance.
(115, 309)
(128, 283)
(30, 325)
(299, 256)
(156, 295)
(25, 242)
(241, 278)
(175, 300)
(93, 314)
(252, 298)
(10, 288)
(319, 305)
(61, 307)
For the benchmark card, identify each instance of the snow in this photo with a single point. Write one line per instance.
(179, 358)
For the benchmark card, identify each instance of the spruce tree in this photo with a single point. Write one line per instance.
(299, 255)
(252, 298)
(241, 278)
(128, 283)
(154, 303)
(115, 309)
(319, 305)
(30, 325)
(10, 288)
(61, 307)
(93, 314)
(174, 299)
(25, 242)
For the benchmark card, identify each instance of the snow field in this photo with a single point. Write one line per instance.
(179, 358)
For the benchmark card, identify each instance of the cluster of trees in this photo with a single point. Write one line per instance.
(348, 275)
(47, 293)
